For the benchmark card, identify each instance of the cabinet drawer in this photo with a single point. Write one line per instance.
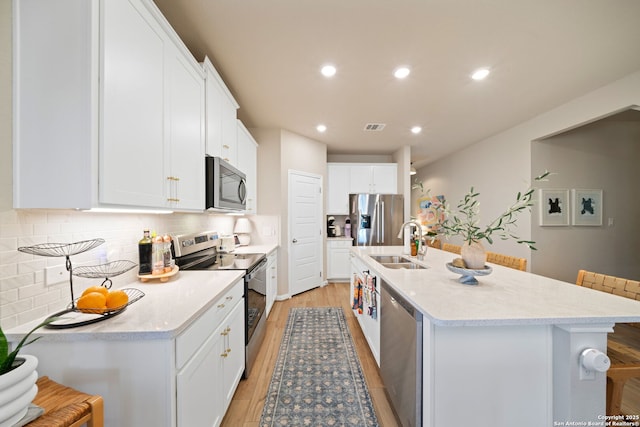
(334, 244)
(191, 339)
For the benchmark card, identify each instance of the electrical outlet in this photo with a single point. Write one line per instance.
(54, 275)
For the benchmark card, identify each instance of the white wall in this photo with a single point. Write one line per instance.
(500, 166)
(281, 151)
(602, 155)
(402, 158)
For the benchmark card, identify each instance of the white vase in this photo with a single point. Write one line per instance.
(17, 390)
(474, 255)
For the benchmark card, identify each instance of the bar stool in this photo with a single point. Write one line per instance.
(66, 407)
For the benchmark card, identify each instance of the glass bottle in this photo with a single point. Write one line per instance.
(144, 253)
(168, 259)
(157, 255)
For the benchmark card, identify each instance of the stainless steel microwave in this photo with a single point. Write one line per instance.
(226, 186)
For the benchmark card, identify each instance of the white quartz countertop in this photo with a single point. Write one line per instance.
(256, 249)
(164, 312)
(504, 297)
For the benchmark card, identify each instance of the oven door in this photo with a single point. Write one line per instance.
(255, 282)
(225, 186)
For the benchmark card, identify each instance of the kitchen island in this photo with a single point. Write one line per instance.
(158, 362)
(504, 352)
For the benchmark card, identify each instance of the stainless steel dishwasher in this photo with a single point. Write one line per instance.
(401, 355)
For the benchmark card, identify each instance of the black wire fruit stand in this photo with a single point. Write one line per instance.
(102, 271)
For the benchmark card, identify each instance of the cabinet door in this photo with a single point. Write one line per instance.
(214, 93)
(248, 163)
(360, 179)
(272, 281)
(229, 129)
(200, 401)
(133, 98)
(384, 178)
(234, 361)
(338, 189)
(340, 263)
(186, 177)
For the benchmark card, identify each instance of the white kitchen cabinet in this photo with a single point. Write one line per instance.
(338, 188)
(348, 178)
(181, 380)
(221, 117)
(119, 104)
(272, 279)
(379, 178)
(338, 259)
(208, 379)
(370, 325)
(248, 163)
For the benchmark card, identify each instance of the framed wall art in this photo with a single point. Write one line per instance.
(587, 207)
(554, 207)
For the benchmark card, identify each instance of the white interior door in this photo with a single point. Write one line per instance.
(305, 231)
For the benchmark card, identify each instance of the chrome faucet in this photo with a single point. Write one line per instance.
(421, 245)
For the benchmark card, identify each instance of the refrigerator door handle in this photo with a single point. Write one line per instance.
(379, 225)
(382, 222)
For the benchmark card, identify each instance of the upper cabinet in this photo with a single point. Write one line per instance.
(348, 178)
(248, 163)
(338, 188)
(221, 117)
(109, 108)
(379, 178)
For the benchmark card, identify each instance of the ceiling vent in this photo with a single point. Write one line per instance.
(374, 127)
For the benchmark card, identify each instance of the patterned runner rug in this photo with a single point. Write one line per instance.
(317, 380)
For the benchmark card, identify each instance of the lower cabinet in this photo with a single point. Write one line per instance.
(184, 381)
(338, 258)
(272, 279)
(205, 385)
(370, 309)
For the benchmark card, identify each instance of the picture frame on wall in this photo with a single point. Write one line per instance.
(554, 207)
(587, 207)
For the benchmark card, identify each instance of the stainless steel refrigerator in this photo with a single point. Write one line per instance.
(376, 219)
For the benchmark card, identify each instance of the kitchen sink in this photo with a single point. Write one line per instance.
(397, 265)
(397, 262)
(389, 259)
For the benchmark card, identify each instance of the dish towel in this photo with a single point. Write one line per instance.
(372, 296)
(357, 294)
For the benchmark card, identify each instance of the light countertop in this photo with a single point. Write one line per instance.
(504, 297)
(164, 312)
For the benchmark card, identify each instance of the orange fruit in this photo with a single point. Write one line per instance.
(117, 299)
(92, 302)
(101, 289)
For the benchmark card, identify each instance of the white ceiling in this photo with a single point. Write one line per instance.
(542, 53)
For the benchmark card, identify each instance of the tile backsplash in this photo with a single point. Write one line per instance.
(24, 296)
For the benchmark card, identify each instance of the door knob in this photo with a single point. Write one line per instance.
(294, 241)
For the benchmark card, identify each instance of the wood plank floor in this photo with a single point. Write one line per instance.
(246, 407)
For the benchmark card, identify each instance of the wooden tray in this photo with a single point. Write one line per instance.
(162, 277)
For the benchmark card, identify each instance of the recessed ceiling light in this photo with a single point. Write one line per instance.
(321, 128)
(480, 74)
(401, 72)
(416, 130)
(328, 70)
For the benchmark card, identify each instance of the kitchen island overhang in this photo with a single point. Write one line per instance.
(506, 351)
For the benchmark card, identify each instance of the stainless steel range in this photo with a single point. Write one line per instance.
(199, 251)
